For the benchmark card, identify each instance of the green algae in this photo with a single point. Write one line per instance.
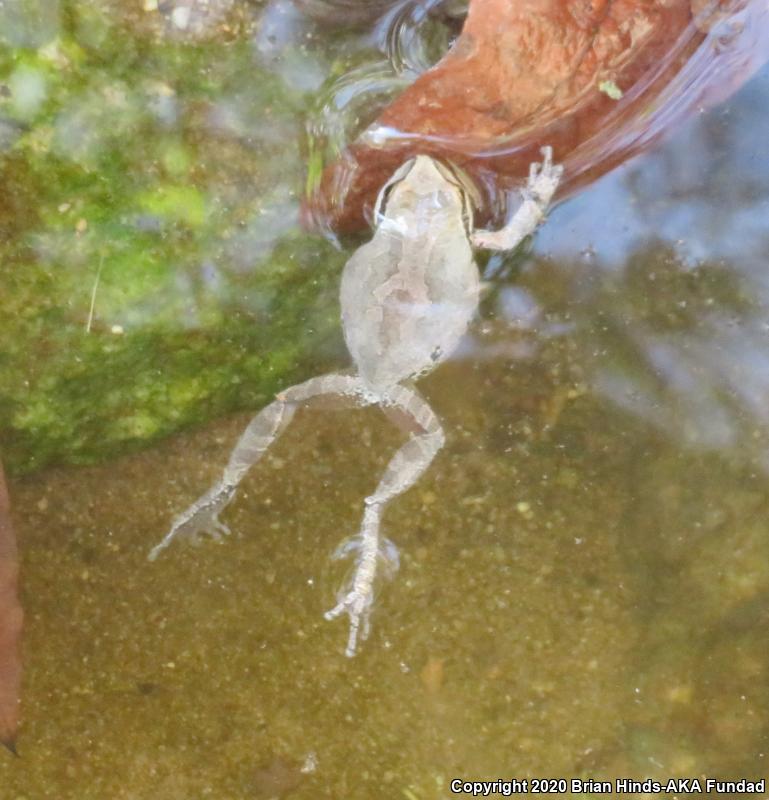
(151, 270)
(76, 394)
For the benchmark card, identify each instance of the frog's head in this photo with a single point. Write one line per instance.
(424, 180)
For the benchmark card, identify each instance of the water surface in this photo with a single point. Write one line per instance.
(584, 582)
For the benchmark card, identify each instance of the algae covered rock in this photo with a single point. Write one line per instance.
(152, 272)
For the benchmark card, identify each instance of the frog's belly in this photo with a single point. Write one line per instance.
(396, 325)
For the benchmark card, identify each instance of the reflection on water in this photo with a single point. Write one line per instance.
(415, 35)
(584, 587)
(674, 297)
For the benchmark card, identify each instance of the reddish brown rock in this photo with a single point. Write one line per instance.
(524, 73)
(10, 624)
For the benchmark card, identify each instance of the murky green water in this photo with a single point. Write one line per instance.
(584, 582)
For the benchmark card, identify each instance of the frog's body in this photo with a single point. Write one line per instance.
(407, 297)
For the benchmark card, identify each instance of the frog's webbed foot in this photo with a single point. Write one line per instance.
(357, 596)
(202, 517)
(539, 190)
(543, 179)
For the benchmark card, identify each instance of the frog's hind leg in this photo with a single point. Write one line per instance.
(402, 472)
(203, 515)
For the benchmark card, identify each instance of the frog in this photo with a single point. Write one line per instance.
(407, 298)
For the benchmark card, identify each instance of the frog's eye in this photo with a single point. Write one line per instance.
(386, 190)
(381, 201)
(467, 211)
(461, 181)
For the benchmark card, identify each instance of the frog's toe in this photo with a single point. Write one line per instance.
(549, 169)
(357, 605)
(544, 180)
(217, 529)
(191, 529)
(349, 546)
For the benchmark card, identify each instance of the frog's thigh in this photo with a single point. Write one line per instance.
(346, 386)
(272, 420)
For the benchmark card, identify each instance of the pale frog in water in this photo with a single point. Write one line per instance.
(407, 297)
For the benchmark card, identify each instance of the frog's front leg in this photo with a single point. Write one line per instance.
(203, 515)
(404, 469)
(539, 191)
